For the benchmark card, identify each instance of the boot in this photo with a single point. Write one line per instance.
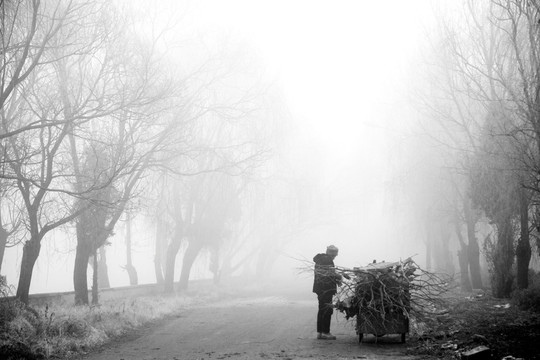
(327, 336)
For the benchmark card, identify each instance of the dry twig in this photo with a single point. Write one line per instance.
(382, 290)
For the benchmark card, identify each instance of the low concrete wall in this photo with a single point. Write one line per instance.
(107, 294)
(111, 293)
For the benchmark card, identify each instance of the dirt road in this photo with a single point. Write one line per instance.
(266, 327)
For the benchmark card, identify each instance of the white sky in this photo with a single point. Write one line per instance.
(343, 66)
(337, 61)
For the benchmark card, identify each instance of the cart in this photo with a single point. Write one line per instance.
(377, 315)
(392, 323)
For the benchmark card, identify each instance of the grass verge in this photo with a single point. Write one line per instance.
(64, 330)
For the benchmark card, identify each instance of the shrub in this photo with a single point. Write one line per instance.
(527, 299)
(18, 335)
(21, 328)
(534, 278)
(4, 288)
(8, 311)
(9, 308)
(75, 328)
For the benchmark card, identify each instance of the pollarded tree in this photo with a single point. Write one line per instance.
(205, 210)
(209, 206)
(117, 88)
(269, 195)
(24, 39)
(216, 207)
(221, 136)
(496, 190)
(518, 73)
(80, 85)
(35, 132)
(163, 225)
(99, 202)
(451, 122)
(478, 63)
(502, 67)
(158, 213)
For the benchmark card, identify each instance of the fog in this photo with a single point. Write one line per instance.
(329, 166)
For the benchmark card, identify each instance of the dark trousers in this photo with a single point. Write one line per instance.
(325, 312)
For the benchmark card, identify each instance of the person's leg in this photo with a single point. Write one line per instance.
(319, 315)
(325, 306)
(324, 316)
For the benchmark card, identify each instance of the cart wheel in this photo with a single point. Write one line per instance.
(403, 338)
(360, 337)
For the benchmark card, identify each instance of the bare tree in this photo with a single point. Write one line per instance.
(206, 208)
(29, 30)
(130, 269)
(78, 84)
(114, 88)
(163, 227)
(10, 220)
(499, 64)
(467, 52)
(519, 76)
(220, 138)
(496, 190)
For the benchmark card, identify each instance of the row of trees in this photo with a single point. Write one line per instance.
(478, 103)
(96, 114)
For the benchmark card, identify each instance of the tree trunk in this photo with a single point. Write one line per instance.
(103, 271)
(3, 243)
(463, 260)
(215, 267)
(95, 293)
(226, 268)
(31, 251)
(444, 257)
(523, 249)
(429, 246)
(170, 260)
(132, 272)
(473, 250)
(464, 270)
(158, 270)
(3, 239)
(266, 259)
(473, 254)
(503, 257)
(190, 255)
(159, 254)
(80, 271)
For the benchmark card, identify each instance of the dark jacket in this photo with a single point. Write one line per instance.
(326, 278)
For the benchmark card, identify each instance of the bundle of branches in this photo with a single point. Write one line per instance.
(386, 290)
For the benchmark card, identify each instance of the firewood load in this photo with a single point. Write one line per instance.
(388, 290)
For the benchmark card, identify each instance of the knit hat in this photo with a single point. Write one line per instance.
(332, 250)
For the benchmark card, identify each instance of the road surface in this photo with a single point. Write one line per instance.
(264, 327)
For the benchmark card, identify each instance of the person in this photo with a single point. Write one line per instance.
(325, 286)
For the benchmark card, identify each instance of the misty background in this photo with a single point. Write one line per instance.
(242, 136)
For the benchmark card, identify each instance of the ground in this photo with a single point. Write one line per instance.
(263, 326)
(259, 327)
(469, 321)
